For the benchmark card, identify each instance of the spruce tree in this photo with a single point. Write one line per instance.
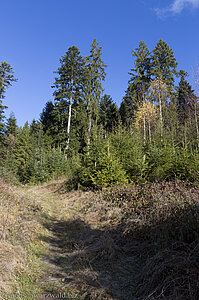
(47, 116)
(140, 74)
(108, 113)
(184, 95)
(95, 68)
(23, 151)
(163, 64)
(138, 84)
(79, 125)
(69, 83)
(6, 79)
(54, 122)
(128, 106)
(11, 125)
(2, 117)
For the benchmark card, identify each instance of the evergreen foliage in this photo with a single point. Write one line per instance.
(11, 125)
(23, 153)
(163, 64)
(69, 84)
(95, 75)
(108, 113)
(6, 79)
(154, 135)
(102, 167)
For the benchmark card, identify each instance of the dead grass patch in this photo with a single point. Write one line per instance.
(17, 229)
(133, 242)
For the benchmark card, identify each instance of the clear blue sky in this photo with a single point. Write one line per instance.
(36, 33)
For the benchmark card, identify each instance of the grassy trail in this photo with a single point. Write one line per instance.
(75, 251)
(133, 242)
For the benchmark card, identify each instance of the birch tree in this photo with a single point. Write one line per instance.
(159, 93)
(146, 116)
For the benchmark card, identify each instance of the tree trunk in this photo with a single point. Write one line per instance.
(149, 131)
(161, 121)
(89, 132)
(144, 129)
(69, 118)
(196, 121)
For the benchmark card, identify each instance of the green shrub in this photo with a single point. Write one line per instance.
(101, 168)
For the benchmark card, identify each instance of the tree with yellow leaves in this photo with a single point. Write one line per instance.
(159, 93)
(146, 116)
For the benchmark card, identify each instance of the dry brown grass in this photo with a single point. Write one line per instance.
(11, 258)
(137, 242)
(17, 225)
(131, 242)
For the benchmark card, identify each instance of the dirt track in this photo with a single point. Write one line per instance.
(84, 250)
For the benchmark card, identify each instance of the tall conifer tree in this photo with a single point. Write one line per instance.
(95, 75)
(6, 79)
(11, 126)
(108, 113)
(163, 64)
(138, 83)
(69, 83)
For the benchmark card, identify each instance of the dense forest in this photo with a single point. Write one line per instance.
(82, 134)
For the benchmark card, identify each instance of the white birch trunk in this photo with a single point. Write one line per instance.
(144, 129)
(69, 118)
(161, 122)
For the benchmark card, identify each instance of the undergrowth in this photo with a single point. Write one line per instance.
(163, 221)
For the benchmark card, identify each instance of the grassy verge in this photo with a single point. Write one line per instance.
(23, 270)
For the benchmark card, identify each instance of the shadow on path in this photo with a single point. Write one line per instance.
(98, 263)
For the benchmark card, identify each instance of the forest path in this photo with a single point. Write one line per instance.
(80, 254)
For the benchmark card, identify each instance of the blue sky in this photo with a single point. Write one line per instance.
(35, 34)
